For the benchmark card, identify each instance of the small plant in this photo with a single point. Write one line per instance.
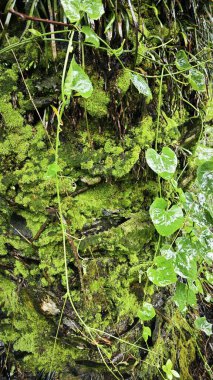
(169, 371)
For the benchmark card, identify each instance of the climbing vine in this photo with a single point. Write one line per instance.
(107, 197)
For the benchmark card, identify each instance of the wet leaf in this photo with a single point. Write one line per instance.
(197, 80)
(186, 258)
(147, 312)
(141, 85)
(165, 221)
(184, 297)
(164, 274)
(205, 176)
(94, 8)
(182, 62)
(73, 9)
(78, 81)
(163, 164)
(146, 333)
(202, 324)
(90, 36)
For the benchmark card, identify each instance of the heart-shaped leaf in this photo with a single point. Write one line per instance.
(186, 258)
(163, 164)
(74, 8)
(93, 8)
(90, 36)
(147, 312)
(164, 274)
(205, 176)
(78, 81)
(203, 325)
(197, 80)
(146, 333)
(182, 62)
(184, 296)
(165, 221)
(141, 85)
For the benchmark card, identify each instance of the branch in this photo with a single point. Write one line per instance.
(23, 16)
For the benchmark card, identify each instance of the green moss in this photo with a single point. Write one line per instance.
(12, 118)
(123, 81)
(144, 134)
(177, 345)
(97, 104)
(123, 166)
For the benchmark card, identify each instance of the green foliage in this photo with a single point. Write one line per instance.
(170, 373)
(147, 312)
(182, 62)
(205, 176)
(164, 273)
(184, 297)
(166, 221)
(90, 36)
(146, 333)
(78, 81)
(73, 9)
(202, 324)
(197, 80)
(97, 104)
(103, 188)
(165, 164)
(141, 85)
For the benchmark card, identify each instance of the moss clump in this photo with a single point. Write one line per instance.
(123, 81)
(97, 104)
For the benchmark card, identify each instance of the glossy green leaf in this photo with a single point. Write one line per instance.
(52, 171)
(186, 266)
(74, 9)
(168, 252)
(197, 80)
(166, 221)
(90, 36)
(184, 297)
(202, 324)
(186, 258)
(146, 333)
(163, 164)
(182, 62)
(205, 176)
(78, 81)
(141, 84)
(163, 274)
(147, 312)
(93, 8)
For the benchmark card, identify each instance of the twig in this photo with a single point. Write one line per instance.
(23, 16)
